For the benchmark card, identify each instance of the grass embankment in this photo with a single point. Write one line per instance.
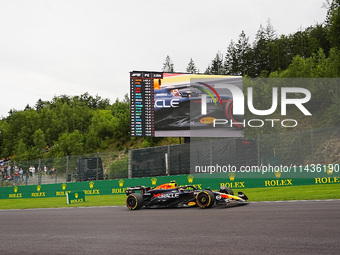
(56, 202)
(308, 192)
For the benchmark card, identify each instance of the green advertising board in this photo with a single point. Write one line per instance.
(236, 180)
(75, 197)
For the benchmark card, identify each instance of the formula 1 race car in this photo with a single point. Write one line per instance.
(179, 107)
(171, 195)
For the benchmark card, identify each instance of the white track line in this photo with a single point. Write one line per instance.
(255, 202)
(37, 209)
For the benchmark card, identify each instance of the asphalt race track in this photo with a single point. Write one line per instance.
(306, 227)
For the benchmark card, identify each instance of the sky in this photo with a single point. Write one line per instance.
(69, 47)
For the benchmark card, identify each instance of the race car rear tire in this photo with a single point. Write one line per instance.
(205, 199)
(226, 190)
(134, 201)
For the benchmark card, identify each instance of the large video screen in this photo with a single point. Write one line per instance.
(183, 105)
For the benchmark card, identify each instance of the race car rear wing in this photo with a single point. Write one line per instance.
(130, 190)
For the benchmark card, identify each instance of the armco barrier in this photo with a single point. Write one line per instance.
(236, 180)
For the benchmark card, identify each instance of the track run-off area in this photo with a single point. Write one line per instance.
(287, 227)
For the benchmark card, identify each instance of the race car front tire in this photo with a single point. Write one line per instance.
(205, 199)
(134, 201)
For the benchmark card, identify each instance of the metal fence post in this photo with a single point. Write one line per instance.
(166, 164)
(97, 165)
(67, 168)
(14, 179)
(312, 141)
(258, 150)
(169, 160)
(39, 172)
(210, 152)
(130, 164)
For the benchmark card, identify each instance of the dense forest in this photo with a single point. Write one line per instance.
(64, 126)
(72, 125)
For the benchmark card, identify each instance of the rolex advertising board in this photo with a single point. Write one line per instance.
(234, 180)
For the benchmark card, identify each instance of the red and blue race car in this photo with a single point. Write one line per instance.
(171, 195)
(179, 107)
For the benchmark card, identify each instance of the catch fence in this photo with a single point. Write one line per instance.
(305, 147)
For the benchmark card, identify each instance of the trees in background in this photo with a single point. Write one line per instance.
(64, 126)
(168, 66)
(333, 22)
(271, 53)
(216, 66)
(191, 68)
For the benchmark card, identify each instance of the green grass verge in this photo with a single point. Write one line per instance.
(55, 202)
(308, 192)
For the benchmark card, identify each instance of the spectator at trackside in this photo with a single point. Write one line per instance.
(52, 171)
(16, 173)
(3, 172)
(9, 170)
(16, 176)
(9, 178)
(21, 173)
(33, 171)
(45, 170)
